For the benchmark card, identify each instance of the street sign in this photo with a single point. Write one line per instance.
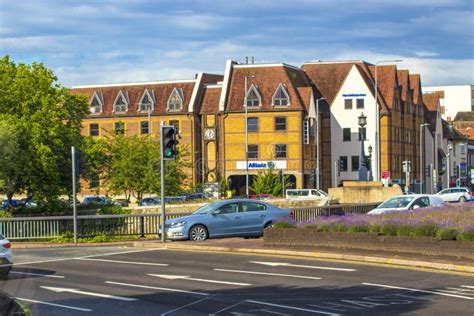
(386, 174)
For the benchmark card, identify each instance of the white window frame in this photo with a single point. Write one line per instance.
(124, 96)
(282, 88)
(151, 96)
(259, 97)
(99, 98)
(179, 93)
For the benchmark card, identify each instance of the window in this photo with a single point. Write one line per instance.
(147, 101)
(176, 99)
(144, 127)
(355, 163)
(362, 133)
(252, 151)
(281, 97)
(119, 128)
(253, 97)
(229, 208)
(280, 151)
(175, 123)
(346, 134)
(252, 124)
(93, 129)
(280, 123)
(348, 104)
(360, 103)
(121, 103)
(421, 202)
(96, 103)
(343, 163)
(253, 207)
(95, 181)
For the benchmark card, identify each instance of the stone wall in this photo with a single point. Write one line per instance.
(364, 192)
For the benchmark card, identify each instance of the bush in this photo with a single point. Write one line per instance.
(324, 228)
(467, 235)
(113, 210)
(311, 226)
(426, 230)
(447, 234)
(375, 228)
(405, 230)
(389, 230)
(359, 228)
(283, 225)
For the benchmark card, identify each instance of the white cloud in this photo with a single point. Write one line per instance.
(426, 54)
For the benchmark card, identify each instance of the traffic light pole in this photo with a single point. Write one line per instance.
(74, 198)
(163, 210)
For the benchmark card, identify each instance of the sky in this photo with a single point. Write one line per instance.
(110, 41)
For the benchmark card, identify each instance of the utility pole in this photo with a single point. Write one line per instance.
(74, 198)
(162, 170)
(317, 141)
(422, 170)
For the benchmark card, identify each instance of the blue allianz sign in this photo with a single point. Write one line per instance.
(276, 164)
(348, 95)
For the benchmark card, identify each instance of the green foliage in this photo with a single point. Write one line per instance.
(447, 234)
(338, 227)
(375, 228)
(283, 225)
(405, 230)
(268, 182)
(113, 210)
(311, 226)
(426, 230)
(358, 228)
(389, 230)
(468, 235)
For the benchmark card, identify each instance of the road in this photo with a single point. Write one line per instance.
(131, 281)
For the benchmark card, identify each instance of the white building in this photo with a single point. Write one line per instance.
(454, 99)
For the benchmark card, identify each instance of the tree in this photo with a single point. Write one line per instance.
(10, 180)
(268, 182)
(49, 119)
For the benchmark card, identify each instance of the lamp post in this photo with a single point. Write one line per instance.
(371, 176)
(362, 163)
(422, 126)
(377, 121)
(317, 141)
(246, 139)
(448, 167)
(468, 161)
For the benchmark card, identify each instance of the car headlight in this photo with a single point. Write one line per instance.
(178, 224)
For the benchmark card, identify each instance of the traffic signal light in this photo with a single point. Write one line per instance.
(341, 165)
(169, 142)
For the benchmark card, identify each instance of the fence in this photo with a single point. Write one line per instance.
(17, 228)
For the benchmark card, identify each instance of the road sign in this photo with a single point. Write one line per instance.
(386, 174)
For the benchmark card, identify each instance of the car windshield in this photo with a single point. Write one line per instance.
(397, 202)
(204, 209)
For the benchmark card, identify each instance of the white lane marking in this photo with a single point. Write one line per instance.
(187, 305)
(468, 286)
(266, 273)
(53, 304)
(39, 274)
(126, 262)
(226, 308)
(453, 292)
(91, 256)
(157, 288)
(186, 277)
(293, 308)
(285, 264)
(461, 289)
(113, 297)
(418, 290)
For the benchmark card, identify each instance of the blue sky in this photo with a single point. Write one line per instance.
(88, 42)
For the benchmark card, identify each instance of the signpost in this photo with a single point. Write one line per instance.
(168, 152)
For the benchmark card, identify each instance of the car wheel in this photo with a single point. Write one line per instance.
(462, 199)
(268, 225)
(198, 233)
(4, 273)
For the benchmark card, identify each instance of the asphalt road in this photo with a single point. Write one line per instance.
(131, 281)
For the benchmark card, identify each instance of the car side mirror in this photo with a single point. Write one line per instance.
(415, 207)
(216, 212)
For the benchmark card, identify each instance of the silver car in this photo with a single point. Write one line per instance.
(455, 194)
(407, 202)
(229, 218)
(6, 258)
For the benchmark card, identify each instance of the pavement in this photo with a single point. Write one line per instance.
(123, 280)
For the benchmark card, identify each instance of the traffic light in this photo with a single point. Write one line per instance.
(168, 134)
(341, 165)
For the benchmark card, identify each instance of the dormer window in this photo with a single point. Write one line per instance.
(96, 103)
(280, 97)
(121, 102)
(147, 101)
(176, 100)
(253, 97)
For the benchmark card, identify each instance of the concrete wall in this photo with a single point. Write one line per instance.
(362, 192)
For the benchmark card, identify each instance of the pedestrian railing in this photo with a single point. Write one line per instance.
(48, 227)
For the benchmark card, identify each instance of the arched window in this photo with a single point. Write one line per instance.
(96, 103)
(281, 97)
(121, 102)
(253, 97)
(147, 101)
(176, 100)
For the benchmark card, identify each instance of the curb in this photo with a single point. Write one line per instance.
(32, 245)
(319, 255)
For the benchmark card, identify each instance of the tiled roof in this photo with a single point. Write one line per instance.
(415, 85)
(386, 82)
(465, 116)
(450, 132)
(431, 101)
(210, 100)
(404, 82)
(267, 80)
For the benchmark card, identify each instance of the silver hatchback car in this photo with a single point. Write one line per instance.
(229, 218)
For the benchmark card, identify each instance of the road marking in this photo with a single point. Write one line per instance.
(126, 262)
(53, 304)
(157, 288)
(187, 305)
(39, 274)
(284, 264)
(468, 286)
(418, 290)
(186, 277)
(43, 261)
(226, 308)
(266, 273)
(461, 289)
(293, 308)
(113, 297)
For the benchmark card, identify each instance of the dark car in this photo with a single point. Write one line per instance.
(150, 201)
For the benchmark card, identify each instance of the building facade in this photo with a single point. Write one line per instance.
(453, 99)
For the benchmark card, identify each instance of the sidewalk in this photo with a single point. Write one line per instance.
(256, 246)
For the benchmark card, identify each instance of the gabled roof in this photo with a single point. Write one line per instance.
(450, 132)
(267, 78)
(415, 85)
(210, 99)
(386, 82)
(465, 116)
(431, 101)
(404, 82)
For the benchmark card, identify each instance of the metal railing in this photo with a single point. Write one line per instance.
(48, 227)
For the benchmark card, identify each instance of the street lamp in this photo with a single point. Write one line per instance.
(371, 176)
(317, 141)
(377, 120)
(362, 163)
(246, 139)
(448, 167)
(468, 161)
(422, 126)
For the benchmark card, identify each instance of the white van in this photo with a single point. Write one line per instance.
(302, 194)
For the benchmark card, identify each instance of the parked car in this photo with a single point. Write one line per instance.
(455, 194)
(407, 202)
(195, 196)
(305, 194)
(6, 257)
(99, 200)
(228, 218)
(150, 201)
(261, 197)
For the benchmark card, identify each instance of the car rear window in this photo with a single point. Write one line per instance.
(253, 207)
